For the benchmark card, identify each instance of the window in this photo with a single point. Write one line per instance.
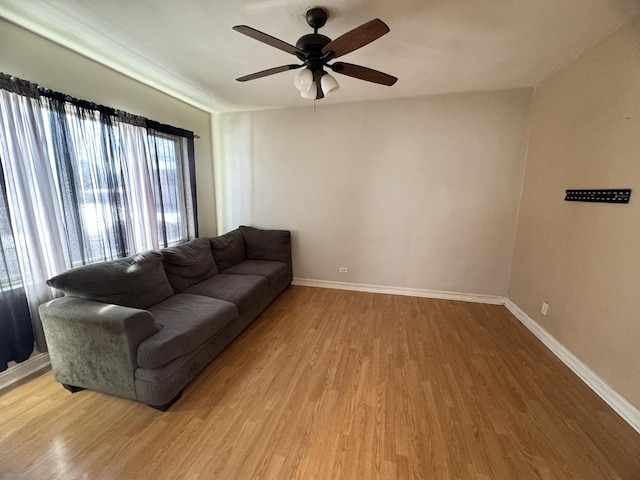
(10, 277)
(172, 206)
(123, 188)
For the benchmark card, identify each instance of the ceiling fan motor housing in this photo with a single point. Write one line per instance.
(312, 44)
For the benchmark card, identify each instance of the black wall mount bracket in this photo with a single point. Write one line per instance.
(617, 195)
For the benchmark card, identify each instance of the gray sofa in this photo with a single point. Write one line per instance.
(144, 326)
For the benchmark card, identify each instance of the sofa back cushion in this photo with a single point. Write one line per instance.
(188, 264)
(137, 281)
(274, 245)
(228, 249)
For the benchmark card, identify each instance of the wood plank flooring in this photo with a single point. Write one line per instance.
(341, 385)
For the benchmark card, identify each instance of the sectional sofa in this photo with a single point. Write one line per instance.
(144, 326)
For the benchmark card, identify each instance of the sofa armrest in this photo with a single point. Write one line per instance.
(93, 344)
(274, 245)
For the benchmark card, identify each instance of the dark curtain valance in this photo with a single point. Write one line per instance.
(163, 128)
(24, 87)
(63, 97)
(17, 85)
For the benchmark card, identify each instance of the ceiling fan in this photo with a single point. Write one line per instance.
(316, 51)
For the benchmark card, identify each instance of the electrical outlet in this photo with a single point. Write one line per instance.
(545, 308)
(343, 270)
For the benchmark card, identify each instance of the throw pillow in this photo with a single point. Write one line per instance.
(228, 249)
(188, 264)
(138, 281)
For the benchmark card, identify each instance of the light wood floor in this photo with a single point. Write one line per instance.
(336, 384)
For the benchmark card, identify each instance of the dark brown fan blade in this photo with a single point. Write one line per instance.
(363, 73)
(268, 39)
(356, 38)
(270, 71)
(319, 92)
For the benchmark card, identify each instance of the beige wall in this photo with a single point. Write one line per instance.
(28, 56)
(584, 258)
(418, 193)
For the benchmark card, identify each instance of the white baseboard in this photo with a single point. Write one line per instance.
(24, 369)
(620, 405)
(407, 292)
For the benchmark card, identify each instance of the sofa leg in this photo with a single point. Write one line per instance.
(163, 408)
(72, 388)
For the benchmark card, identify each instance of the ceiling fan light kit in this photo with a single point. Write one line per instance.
(311, 93)
(329, 84)
(303, 80)
(316, 51)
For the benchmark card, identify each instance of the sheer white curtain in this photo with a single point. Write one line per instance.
(36, 216)
(108, 184)
(141, 195)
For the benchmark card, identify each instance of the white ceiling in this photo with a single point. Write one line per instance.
(187, 47)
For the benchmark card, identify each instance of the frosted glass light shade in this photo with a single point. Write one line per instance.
(303, 80)
(311, 92)
(328, 84)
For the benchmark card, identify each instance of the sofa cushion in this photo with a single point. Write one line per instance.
(267, 244)
(243, 291)
(228, 249)
(187, 322)
(274, 271)
(137, 281)
(189, 263)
